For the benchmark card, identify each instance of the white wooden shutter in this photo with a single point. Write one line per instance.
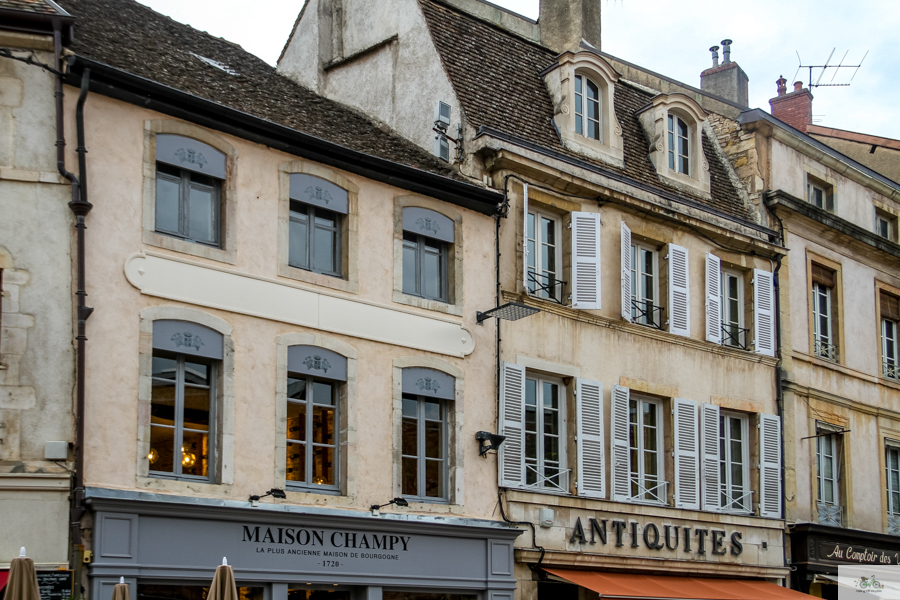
(626, 272)
(512, 425)
(770, 466)
(764, 312)
(687, 474)
(713, 299)
(679, 291)
(585, 260)
(621, 457)
(709, 457)
(525, 237)
(589, 439)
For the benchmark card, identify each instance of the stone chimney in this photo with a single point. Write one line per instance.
(727, 80)
(565, 23)
(795, 108)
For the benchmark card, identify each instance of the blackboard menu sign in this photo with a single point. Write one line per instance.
(55, 585)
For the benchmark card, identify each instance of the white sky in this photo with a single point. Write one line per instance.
(672, 39)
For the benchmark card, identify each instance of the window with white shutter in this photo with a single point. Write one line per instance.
(733, 332)
(589, 439)
(734, 454)
(679, 291)
(687, 473)
(626, 272)
(512, 425)
(713, 299)
(770, 466)
(647, 481)
(621, 455)
(709, 456)
(585, 260)
(764, 312)
(545, 434)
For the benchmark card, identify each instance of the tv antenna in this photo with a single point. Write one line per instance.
(824, 68)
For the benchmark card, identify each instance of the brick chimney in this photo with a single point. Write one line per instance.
(727, 80)
(795, 108)
(565, 23)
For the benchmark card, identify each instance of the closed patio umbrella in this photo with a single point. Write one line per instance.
(120, 592)
(22, 583)
(223, 586)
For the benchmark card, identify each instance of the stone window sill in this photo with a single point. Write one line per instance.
(334, 283)
(435, 305)
(159, 240)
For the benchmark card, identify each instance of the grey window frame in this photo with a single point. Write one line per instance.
(311, 240)
(420, 457)
(657, 493)
(823, 339)
(214, 367)
(582, 104)
(549, 274)
(890, 360)
(832, 440)
(420, 242)
(676, 158)
(730, 320)
(539, 464)
(638, 287)
(744, 503)
(184, 186)
(893, 508)
(309, 486)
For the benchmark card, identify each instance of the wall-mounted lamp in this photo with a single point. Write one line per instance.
(274, 492)
(511, 311)
(488, 441)
(375, 508)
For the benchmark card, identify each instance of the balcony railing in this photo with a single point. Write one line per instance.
(547, 481)
(823, 349)
(650, 494)
(894, 524)
(890, 369)
(734, 336)
(830, 514)
(643, 312)
(547, 287)
(740, 504)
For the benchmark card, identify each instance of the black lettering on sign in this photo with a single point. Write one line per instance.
(634, 535)
(619, 526)
(736, 547)
(718, 542)
(596, 528)
(578, 533)
(655, 544)
(667, 529)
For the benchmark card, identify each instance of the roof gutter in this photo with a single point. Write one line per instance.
(121, 85)
(38, 23)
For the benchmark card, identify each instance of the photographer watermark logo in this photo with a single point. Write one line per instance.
(868, 584)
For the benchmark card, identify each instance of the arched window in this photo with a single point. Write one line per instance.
(189, 177)
(425, 436)
(186, 360)
(315, 378)
(587, 108)
(679, 145)
(427, 237)
(317, 210)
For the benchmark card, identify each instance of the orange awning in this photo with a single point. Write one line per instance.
(669, 587)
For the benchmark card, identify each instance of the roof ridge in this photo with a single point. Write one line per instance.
(502, 30)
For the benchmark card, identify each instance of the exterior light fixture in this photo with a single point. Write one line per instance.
(274, 492)
(375, 508)
(488, 441)
(511, 311)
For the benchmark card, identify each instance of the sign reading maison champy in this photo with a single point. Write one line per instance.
(330, 546)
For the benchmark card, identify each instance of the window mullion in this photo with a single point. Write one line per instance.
(311, 238)
(420, 462)
(184, 196)
(179, 414)
(308, 410)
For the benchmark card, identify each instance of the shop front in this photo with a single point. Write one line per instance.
(818, 550)
(167, 548)
(651, 552)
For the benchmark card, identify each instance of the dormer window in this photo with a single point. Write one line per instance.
(587, 108)
(679, 146)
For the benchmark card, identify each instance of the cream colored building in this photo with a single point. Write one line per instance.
(627, 228)
(37, 359)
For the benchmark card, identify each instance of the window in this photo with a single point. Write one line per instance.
(734, 475)
(587, 108)
(815, 195)
(544, 256)
(890, 316)
(315, 377)
(885, 225)
(824, 345)
(545, 434)
(645, 447)
(679, 145)
(733, 332)
(645, 286)
(827, 477)
(186, 358)
(189, 178)
(424, 429)
(427, 237)
(317, 210)
(892, 467)
(819, 193)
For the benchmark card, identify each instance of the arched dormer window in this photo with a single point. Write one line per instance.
(582, 86)
(674, 125)
(587, 108)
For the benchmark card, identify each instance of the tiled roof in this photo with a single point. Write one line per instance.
(496, 76)
(136, 39)
(32, 6)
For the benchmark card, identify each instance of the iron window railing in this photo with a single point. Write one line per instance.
(649, 494)
(547, 286)
(830, 514)
(734, 336)
(823, 349)
(890, 369)
(736, 504)
(894, 524)
(645, 313)
(556, 481)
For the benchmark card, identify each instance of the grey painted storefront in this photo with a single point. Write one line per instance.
(150, 538)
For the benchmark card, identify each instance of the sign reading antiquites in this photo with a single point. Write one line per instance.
(698, 540)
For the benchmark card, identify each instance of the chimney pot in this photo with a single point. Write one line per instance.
(798, 85)
(726, 51)
(782, 85)
(794, 109)
(715, 56)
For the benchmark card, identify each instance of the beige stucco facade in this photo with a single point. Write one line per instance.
(36, 350)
